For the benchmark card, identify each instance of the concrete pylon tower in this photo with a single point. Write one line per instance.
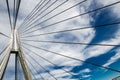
(15, 48)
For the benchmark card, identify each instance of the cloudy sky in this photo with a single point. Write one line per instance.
(39, 38)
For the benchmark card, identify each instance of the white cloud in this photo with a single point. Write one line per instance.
(113, 59)
(87, 70)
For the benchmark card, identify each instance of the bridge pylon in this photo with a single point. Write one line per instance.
(15, 48)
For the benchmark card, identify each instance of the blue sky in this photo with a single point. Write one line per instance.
(108, 56)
